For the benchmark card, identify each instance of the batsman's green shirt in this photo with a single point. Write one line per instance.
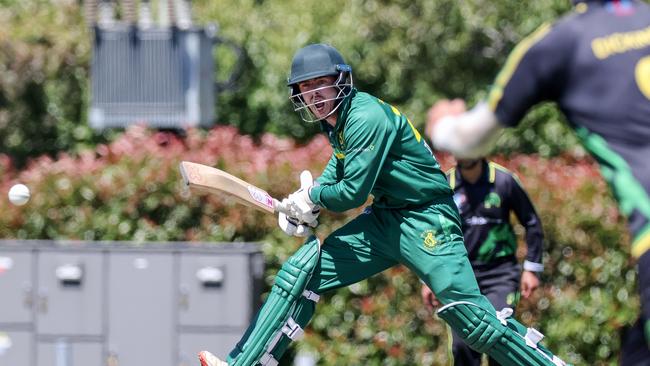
(377, 151)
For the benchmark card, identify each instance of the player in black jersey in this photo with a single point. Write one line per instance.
(486, 193)
(595, 64)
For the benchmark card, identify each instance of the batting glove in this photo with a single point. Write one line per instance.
(292, 227)
(302, 208)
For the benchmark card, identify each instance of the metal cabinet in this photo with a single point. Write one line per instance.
(16, 285)
(16, 347)
(141, 308)
(115, 304)
(64, 352)
(214, 290)
(70, 293)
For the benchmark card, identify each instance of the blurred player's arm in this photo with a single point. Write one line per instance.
(532, 73)
(467, 135)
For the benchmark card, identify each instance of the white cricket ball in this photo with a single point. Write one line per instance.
(19, 194)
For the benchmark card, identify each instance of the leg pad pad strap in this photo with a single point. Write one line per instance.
(273, 320)
(502, 339)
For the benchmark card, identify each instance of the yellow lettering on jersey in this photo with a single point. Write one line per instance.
(581, 8)
(642, 75)
(615, 43)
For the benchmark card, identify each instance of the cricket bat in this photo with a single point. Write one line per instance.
(206, 179)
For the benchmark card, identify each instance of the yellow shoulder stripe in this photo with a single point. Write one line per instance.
(641, 245)
(494, 165)
(452, 177)
(499, 166)
(513, 61)
(418, 137)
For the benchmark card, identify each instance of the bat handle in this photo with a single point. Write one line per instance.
(279, 206)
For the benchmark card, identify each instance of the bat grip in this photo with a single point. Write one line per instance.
(279, 206)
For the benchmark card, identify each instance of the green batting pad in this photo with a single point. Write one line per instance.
(505, 340)
(290, 283)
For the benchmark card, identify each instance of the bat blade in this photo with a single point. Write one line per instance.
(206, 179)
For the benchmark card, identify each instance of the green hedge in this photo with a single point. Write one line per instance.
(409, 52)
(130, 190)
(44, 62)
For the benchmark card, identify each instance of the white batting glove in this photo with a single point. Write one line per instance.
(292, 227)
(302, 208)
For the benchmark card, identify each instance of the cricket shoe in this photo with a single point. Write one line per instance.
(208, 359)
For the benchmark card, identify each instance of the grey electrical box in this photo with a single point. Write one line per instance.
(140, 328)
(16, 278)
(16, 347)
(151, 77)
(162, 77)
(115, 303)
(70, 295)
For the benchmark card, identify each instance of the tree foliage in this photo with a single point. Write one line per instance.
(410, 53)
(44, 56)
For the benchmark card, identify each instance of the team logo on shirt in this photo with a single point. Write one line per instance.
(429, 239)
(341, 140)
(492, 200)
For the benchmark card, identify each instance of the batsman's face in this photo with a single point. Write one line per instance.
(319, 94)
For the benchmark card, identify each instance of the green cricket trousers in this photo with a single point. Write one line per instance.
(427, 239)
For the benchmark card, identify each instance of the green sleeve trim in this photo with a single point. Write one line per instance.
(617, 173)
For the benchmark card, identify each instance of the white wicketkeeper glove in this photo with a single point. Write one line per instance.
(301, 206)
(292, 227)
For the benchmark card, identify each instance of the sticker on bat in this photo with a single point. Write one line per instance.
(260, 196)
(193, 174)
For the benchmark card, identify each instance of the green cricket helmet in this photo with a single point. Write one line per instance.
(314, 61)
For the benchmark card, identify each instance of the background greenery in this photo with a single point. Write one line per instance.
(410, 53)
(124, 186)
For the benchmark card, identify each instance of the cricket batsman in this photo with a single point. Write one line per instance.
(412, 220)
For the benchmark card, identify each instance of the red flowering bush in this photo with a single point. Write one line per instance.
(130, 189)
